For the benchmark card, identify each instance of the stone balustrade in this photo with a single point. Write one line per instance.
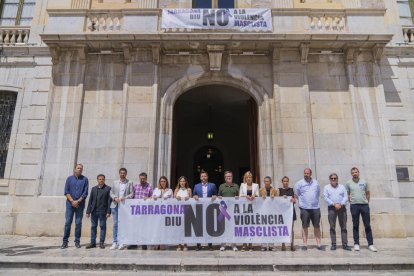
(327, 22)
(14, 35)
(408, 32)
(104, 22)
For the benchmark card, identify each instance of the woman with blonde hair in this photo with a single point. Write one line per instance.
(182, 192)
(162, 191)
(250, 191)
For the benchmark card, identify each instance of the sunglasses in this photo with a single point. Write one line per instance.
(333, 178)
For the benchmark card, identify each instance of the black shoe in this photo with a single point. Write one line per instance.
(102, 245)
(304, 248)
(132, 247)
(321, 248)
(333, 247)
(198, 247)
(211, 248)
(89, 246)
(77, 245)
(64, 245)
(144, 247)
(346, 247)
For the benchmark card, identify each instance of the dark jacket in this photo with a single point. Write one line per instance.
(104, 200)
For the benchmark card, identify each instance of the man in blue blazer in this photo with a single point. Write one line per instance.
(205, 189)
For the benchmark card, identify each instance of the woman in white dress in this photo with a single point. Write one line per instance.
(182, 192)
(250, 191)
(162, 191)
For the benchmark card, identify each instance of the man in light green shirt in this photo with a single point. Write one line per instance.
(359, 195)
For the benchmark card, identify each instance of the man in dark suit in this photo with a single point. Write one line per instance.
(99, 209)
(205, 189)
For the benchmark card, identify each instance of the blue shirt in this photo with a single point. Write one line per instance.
(335, 195)
(308, 194)
(77, 187)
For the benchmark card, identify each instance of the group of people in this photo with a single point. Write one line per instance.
(104, 201)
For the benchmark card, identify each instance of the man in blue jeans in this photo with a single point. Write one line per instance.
(99, 210)
(121, 189)
(359, 195)
(76, 192)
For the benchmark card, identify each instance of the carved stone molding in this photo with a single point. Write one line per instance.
(55, 53)
(377, 52)
(82, 53)
(276, 52)
(304, 51)
(215, 55)
(351, 54)
(127, 49)
(156, 48)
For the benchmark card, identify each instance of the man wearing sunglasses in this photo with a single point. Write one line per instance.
(336, 197)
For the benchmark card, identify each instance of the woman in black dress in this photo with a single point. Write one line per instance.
(287, 191)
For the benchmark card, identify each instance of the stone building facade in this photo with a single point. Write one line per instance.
(99, 82)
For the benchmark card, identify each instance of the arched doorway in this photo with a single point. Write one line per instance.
(216, 118)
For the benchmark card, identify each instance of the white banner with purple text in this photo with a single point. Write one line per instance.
(151, 222)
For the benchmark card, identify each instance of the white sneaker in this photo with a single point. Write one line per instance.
(356, 247)
(114, 246)
(222, 248)
(372, 248)
(122, 247)
(235, 248)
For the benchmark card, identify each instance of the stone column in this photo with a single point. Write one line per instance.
(64, 121)
(291, 115)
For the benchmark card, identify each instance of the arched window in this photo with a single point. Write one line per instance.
(7, 106)
(16, 12)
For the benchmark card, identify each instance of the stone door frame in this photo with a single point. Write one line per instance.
(165, 123)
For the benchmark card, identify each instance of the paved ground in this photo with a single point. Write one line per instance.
(42, 255)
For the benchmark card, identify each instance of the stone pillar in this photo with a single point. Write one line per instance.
(291, 115)
(64, 121)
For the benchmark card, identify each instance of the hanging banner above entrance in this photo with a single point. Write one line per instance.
(250, 20)
(226, 220)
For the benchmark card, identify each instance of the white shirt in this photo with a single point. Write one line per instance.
(204, 186)
(122, 187)
(183, 192)
(158, 193)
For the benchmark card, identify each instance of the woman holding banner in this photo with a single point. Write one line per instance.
(163, 192)
(287, 191)
(250, 191)
(268, 191)
(182, 192)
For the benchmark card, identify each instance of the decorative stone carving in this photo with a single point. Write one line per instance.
(215, 54)
(55, 53)
(350, 55)
(156, 53)
(377, 52)
(304, 51)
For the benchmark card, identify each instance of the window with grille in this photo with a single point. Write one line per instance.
(208, 4)
(16, 12)
(7, 106)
